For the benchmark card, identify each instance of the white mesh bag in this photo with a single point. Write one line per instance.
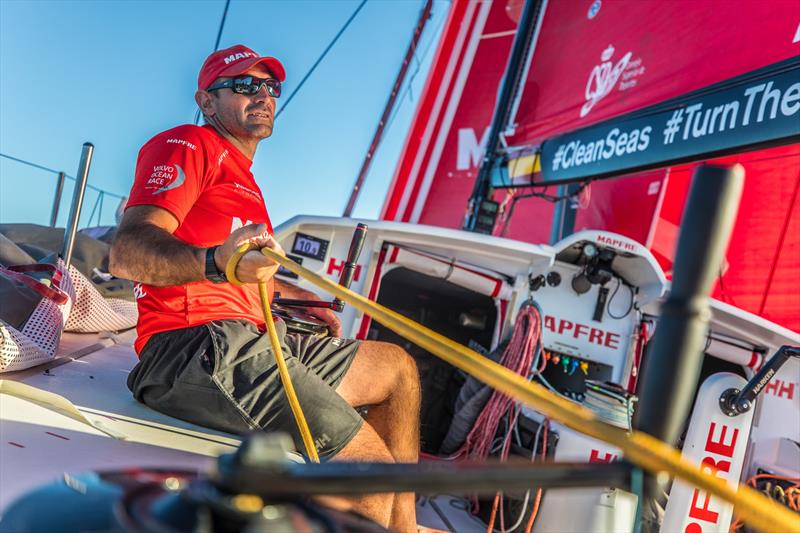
(92, 313)
(34, 336)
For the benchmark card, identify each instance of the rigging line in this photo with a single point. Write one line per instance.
(320, 58)
(94, 209)
(18, 160)
(216, 47)
(222, 24)
(47, 169)
(410, 81)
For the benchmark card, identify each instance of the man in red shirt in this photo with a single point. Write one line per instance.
(203, 354)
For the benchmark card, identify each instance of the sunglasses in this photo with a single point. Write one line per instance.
(249, 85)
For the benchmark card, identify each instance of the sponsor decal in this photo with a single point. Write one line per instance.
(577, 330)
(594, 9)
(236, 57)
(717, 454)
(604, 77)
(470, 151)
(237, 223)
(616, 143)
(321, 441)
(138, 291)
(165, 178)
(616, 243)
(338, 267)
(183, 142)
(781, 389)
(222, 157)
(241, 189)
(594, 457)
(743, 114)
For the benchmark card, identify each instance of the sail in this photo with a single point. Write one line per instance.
(592, 61)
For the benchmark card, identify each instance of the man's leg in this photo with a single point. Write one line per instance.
(385, 378)
(367, 446)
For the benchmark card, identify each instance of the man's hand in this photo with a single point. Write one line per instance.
(294, 292)
(253, 266)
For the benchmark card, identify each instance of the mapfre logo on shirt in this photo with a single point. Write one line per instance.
(164, 178)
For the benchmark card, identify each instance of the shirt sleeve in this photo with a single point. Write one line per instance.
(170, 172)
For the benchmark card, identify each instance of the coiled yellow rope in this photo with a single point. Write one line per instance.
(642, 449)
(283, 371)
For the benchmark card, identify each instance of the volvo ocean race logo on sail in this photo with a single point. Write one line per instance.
(604, 77)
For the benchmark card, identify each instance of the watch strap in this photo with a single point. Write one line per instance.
(212, 273)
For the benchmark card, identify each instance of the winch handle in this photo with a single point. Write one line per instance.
(734, 402)
(356, 244)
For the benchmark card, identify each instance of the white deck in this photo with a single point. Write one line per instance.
(38, 444)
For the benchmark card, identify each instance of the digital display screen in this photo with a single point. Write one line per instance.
(310, 246)
(283, 271)
(307, 246)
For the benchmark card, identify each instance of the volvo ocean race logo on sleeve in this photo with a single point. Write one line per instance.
(604, 77)
(165, 178)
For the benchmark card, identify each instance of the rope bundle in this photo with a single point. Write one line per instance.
(517, 357)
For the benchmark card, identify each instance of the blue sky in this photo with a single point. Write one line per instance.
(115, 73)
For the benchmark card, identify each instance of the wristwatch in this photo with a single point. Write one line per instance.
(213, 274)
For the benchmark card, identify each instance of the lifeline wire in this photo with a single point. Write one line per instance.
(216, 46)
(640, 448)
(320, 58)
(47, 169)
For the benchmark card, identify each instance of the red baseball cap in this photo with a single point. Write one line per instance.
(234, 61)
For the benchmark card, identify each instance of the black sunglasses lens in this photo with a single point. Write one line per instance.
(274, 87)
(244, 86)
(250, 85)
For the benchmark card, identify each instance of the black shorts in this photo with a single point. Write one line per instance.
(223, 375)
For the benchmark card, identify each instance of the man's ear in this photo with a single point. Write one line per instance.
(203, 100)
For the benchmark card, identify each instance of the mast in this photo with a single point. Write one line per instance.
(508, 89)
(424, 15)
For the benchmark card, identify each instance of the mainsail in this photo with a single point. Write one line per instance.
(596, 61)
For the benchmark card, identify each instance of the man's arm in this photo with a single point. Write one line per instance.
(146, 250)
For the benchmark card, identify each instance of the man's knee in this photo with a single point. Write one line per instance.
(404, 369)
(401, 362)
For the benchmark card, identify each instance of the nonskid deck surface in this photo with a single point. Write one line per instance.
(39, 444)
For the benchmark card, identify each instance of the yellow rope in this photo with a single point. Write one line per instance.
(646, 451)
(283, 371)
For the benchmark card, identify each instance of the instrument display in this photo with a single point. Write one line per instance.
(310, 246)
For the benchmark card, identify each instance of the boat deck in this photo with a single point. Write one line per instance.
(95, 424)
